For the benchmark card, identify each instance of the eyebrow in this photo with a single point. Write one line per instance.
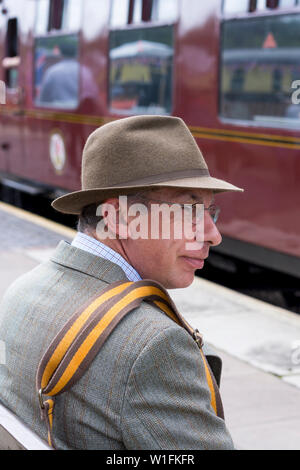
(192, 195)
(197, 198)
(186, 193)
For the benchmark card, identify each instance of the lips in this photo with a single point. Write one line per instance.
(195, 262)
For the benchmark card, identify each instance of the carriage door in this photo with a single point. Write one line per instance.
(13, 123)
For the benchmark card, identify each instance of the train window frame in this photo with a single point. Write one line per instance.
(146, 109)
(137, 26)
(58, 35)
(260, 121)
(58, 28)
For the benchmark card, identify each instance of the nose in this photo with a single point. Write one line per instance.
(211, 232)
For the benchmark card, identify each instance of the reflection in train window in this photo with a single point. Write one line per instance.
(12, 77)
(140, 75)
(56, 70)
(260, 60)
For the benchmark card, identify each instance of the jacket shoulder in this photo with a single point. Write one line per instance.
(150, 318)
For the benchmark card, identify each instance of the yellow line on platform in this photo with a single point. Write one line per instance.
(38, 220)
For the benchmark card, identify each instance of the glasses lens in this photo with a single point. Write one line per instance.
(214, 212)
(194, 212)
(198, 212)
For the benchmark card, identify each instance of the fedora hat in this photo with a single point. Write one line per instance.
(135, 153)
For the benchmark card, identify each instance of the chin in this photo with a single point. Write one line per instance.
(181, 282)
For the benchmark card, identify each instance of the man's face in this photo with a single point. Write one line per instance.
(171, 261)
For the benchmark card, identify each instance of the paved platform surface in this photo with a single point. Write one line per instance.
(259, 343)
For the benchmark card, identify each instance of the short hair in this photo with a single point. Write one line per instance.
(88, 220)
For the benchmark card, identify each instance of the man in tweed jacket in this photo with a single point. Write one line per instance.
(147, 388)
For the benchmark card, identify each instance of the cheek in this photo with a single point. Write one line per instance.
(170, 257)
(162, 253)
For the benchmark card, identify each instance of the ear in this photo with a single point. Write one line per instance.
(114, 212)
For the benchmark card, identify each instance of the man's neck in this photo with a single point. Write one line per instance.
(114, 244)
(87, 242)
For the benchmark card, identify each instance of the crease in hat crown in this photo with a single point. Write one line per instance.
(131, 149)
(139, 152)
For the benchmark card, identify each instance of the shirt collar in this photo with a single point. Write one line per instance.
(95, 247)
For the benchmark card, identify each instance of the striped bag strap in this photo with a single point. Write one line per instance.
(78, 342)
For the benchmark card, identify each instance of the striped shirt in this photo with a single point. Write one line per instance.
(91, 245)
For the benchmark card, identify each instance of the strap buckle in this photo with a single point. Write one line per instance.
(198, 338)
(41, 399)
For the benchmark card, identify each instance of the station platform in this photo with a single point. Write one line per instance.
(258, 343)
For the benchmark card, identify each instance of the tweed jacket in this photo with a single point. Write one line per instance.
(146, 388)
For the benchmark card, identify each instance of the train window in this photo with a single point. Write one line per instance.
(11, 61)
(11, 74)
(55, 14)
(12, 46)
(56, 71)
(140, 75)
(259, 61)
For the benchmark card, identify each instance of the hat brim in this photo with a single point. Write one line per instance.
(74, 202)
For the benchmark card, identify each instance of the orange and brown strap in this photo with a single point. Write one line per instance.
(78, 342)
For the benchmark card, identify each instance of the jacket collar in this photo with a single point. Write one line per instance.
(71, 257)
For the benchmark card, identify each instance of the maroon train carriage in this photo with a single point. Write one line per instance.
(228, 68)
